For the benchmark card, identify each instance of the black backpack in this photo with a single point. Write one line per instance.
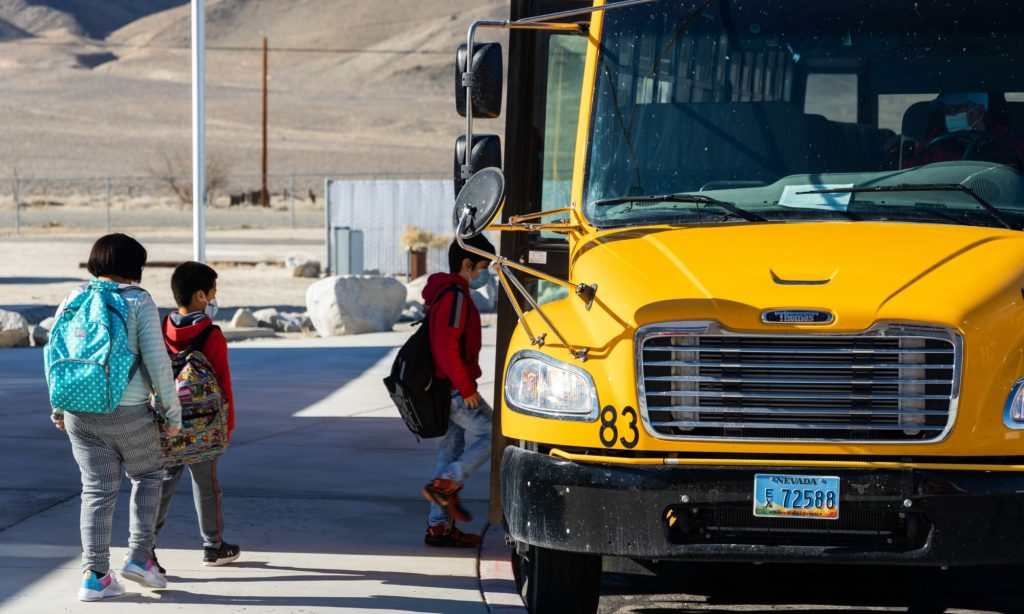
(423, 399)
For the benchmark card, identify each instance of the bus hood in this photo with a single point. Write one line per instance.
(861, 272)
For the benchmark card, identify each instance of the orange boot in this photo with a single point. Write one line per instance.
(448, 536)
(444, 492)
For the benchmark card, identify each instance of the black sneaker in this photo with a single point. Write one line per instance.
(215, 557)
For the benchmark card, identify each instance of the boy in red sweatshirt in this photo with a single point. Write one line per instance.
(194, 286)
(454, 323)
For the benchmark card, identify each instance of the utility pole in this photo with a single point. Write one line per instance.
(264, 195)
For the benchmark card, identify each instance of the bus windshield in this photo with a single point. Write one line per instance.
(772, 107)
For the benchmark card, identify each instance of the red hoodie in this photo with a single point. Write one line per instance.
(215, 350)
(454, 332)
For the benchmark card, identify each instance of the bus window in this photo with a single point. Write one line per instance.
(833, 96)
(566, 57)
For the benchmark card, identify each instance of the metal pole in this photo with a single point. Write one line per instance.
(327, 227)
(108, 205)
(292, 193)
(198, 130)
(264, 196)
(17, 206)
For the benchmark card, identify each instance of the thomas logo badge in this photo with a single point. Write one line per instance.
(797, 316)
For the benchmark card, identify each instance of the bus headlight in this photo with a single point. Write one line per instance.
(1013, 414)
(538, 385)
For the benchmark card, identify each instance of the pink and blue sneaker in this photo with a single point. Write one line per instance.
(147, 574)
(95, 588)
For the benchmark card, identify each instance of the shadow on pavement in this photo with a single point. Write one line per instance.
(399, 578)
(360, 604)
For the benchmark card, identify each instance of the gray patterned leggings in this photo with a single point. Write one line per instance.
(102, 444)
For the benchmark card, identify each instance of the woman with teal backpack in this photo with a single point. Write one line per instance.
(105, 356)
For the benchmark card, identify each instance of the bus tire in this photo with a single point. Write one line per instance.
(556, 582)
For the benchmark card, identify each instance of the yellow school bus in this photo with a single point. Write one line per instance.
(765, 279)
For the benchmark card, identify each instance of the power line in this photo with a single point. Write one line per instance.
(244, 48)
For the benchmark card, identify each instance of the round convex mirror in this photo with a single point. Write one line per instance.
(478, 202)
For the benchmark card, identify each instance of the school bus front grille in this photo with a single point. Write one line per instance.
(887, 385)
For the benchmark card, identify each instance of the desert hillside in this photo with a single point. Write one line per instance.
(356, 86)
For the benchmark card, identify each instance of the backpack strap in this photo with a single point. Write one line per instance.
(454, 316)
(199, 341)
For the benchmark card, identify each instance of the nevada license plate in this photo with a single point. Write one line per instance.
(796, 496)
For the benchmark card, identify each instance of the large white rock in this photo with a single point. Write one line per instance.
(243, 318)
(14, 331)
(414, 289)
(354, 304)
(302, 265)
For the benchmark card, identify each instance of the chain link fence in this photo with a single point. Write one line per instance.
(235, 202)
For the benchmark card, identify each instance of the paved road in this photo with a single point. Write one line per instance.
(801, 588)
(321, 489)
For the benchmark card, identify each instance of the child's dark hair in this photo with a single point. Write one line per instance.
(456, 254)
(189, 278)
(117, 255)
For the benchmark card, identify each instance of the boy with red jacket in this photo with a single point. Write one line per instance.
(194, 286)
(455, 341)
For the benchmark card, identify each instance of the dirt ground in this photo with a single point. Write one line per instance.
(38, 269)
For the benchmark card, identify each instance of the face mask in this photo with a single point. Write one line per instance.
(957, 123)
(481, 280)
(211, 309)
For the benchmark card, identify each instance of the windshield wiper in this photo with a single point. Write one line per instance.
(698, 199)
(993, 212)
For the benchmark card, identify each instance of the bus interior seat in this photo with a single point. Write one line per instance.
(915, 119)
(845, 147)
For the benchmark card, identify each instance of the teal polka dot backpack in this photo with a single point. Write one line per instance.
(88, 363)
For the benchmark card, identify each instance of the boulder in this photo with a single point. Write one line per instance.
(413, 311)
(14, 331)
(244, 319)
(414, 289)
(300, 321)
(289, 323)
(40, 336)
(354, 304)
(266, 318)
(303, 265)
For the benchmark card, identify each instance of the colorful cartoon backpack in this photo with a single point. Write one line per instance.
(204, 410)
(87, 360)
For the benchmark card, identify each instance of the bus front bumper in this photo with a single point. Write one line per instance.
(905, 516)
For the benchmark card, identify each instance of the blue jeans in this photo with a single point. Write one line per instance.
(454, 460)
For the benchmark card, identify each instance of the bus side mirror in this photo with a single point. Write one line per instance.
(486, 153)
(478, 203)
(487, 80)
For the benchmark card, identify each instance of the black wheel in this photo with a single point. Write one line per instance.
(555, 582)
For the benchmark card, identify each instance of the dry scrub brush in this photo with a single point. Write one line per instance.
(175, 172)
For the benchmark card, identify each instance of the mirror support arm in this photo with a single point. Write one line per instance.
(580, 289)
(584, 291)
(503, 278)
(580, 353)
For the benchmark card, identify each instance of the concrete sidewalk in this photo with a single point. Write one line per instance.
(321, 490)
